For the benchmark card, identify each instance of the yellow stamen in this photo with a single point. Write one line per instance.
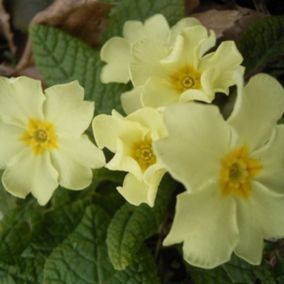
(237, 171)
(142, 152)
(185, 78)
(40, 136)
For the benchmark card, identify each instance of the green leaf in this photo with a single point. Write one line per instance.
(131, 225)
(7, 202)
(125, 10)
(104, 174)
(55, 226)
(62, 58)
(30, 232)
(17, 229)
(262, 43)
(82, 257)
(6, 278)
(59, 223)
(235, 271)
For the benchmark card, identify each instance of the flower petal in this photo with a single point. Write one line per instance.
(74, 160)
(21, 99)
(212, 81)
(107, 129)
(204, 218)
(133, 190)
(10, 144)
(155, 27)
(133, 31)
(197, 95)
(221, 69)
(67, 109)
(83, 151)
(131, 100)
(137, 191)
(196, 42)
(116, 53)
(257, 109)
(158, 92)
(194, 147)
(153, 177)
(151, 119)
(227, 56)
(260, 216)
(122, 160)
(146, 55)
(181, 25)
(272, 161)
(27, 173)
(176, 57)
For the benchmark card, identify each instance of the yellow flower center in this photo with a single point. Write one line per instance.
(237, 171)
(185, 78)
(40, 136)
(142, 152)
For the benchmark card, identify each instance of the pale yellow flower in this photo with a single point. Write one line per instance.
(131, 139)
(42, 143)
(233, 173)
(186, 74)
(116, 52)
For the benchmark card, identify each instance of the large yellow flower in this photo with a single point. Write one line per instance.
(131, 139)
(233, 173)
(186, 74)
(42, 143)
(157, 35)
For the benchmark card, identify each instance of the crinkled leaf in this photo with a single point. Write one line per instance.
(27, 271)
(59, 223)
(236, 271)
(125, 10)
(54, 227)
(6, 278)
(62, 58)
(17, 229)
(82, 257)
(262, 43)
(131, 225)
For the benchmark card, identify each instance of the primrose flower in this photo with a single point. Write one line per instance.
(186, 74)
(131, 139)
(233, 173)
(42, 143)
(154, 32)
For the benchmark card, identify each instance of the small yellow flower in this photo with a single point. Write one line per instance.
(233, 173)
(187, 73)
(42, 142)
(131, 139)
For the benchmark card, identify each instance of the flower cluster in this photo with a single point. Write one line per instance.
(231, 168)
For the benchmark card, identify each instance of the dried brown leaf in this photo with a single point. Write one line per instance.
(30, 71)
(82, 18)
(241, 25)
(228, 23)
(6, 70)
